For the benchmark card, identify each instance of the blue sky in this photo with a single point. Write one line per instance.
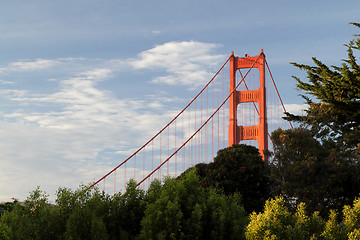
(82, 80)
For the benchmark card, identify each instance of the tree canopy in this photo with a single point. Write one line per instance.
(307, 170)
(319, 162)
(333, 96)
(239, 169)
(184, 209)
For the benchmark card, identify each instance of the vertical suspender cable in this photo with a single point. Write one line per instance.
(207, 128)
(195, 138)
(212, 124)
(159, 172)
(104, 185)
(114, 182)
(189, 135)
(223, 110)
(218, 123)
(272, 79)
(167, 163)
(152, 157)
(134, 165)
(143, 163)
(182, 140)
(175, 154)
(200, 138)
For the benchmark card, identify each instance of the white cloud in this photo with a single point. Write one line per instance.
(13, 93)
(297, 109)
(3, 82)
(187, 63)
(75, 131)
(37, 64)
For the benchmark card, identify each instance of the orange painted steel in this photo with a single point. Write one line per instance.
(258, 132)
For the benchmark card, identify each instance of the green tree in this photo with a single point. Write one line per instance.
(277, 222)
(125, 213)
(66, 201)
(5, 232)
(351, 219)
(334, 230)
(96, 215)
(355, 235)
(334, 114)
(319, 163)
(184, 209)
(86, 220)
(36, 218)
(224, 216)
(7, 206)
(306, 170)
(239, 169)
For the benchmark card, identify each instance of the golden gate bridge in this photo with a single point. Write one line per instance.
(240, 104)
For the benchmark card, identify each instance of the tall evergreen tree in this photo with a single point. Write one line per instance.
(333, 96)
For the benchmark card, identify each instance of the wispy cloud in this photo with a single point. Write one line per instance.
(74, 131)
(3, 82)
(186, 63)
(29, 65)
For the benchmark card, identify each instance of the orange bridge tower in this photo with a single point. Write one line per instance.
(258, 132)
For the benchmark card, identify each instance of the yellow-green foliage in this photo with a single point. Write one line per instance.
(352, 216)
(352, 219)
(274, 223)
(277, 222)
(333, 230)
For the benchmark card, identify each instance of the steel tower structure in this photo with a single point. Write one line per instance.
(257, 132)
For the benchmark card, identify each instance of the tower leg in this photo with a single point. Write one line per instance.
(258, 95)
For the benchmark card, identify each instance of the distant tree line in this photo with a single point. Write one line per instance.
(310, 189)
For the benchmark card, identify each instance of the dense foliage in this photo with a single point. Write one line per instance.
(319, 162)
(333, 96)
(277, 222)
(174, 209)
(308, 170)
(239, 169)
(184, 209)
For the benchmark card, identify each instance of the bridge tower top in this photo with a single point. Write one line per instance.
(257, 132)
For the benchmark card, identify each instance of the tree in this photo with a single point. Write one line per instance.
(86, 219)
(184, 209)
(96, 215)
(8, 206)
(351, 219)
(239, 169)
(306, 170)
(334, 114)
(277, 222)
(5, 232)
(35, 218)
(332, 229)
(319, 164)
(125, 213)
